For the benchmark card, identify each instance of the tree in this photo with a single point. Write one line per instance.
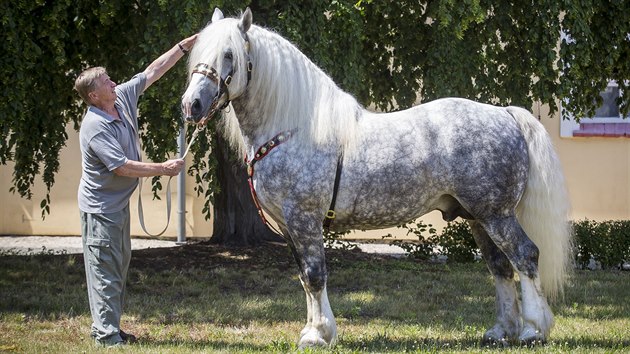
(389, 54)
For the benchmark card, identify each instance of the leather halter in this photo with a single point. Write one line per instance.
(212, 74)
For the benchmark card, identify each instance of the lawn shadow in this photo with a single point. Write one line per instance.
(209, 284)
(383, 344)
(212, 346)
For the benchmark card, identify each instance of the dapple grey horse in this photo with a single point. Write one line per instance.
(493, 166)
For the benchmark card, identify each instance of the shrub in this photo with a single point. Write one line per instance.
(424, 248)
(607, 242)
(455, 242)
(334, 239)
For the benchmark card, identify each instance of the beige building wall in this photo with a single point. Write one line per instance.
(19, 216)
(597, 171)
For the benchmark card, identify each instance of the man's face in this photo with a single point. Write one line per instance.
(104, 92)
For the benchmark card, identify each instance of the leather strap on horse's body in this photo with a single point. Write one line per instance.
(330, 214)
(260, 153)
(263, 151)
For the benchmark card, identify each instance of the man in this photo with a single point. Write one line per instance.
(111, 168)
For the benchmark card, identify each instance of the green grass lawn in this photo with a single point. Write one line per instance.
(204, 298)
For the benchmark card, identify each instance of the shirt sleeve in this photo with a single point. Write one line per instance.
(127, 95)
(132, 89)
(108, 150)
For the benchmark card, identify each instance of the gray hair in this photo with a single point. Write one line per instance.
(87, 81)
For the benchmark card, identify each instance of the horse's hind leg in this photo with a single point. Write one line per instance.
(508, 324)
(307, 247)
(510, 238)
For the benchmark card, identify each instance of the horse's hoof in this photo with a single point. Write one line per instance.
(531, 337)
(304, 331)
(312, 338)
(311, 342)
(495, 337)
(495, 342)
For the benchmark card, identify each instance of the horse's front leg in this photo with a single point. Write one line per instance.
(307, 244)
(320, 329)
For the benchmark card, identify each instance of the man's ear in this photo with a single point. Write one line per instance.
(92, 96)
(217, 15)
(246, 21)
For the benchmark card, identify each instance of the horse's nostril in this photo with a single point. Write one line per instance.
(195, 108)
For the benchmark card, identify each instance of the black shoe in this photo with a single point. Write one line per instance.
(109, 342)
(127, 337)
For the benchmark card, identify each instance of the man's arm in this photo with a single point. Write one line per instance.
(166, 61)
(133, 168)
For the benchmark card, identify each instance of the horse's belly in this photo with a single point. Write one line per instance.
(379, 218)
(394, 178)
(387, 199)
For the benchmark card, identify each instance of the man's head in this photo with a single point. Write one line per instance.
(95, 87)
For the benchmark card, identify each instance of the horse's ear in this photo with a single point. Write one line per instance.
(217, 15)
(246, 21)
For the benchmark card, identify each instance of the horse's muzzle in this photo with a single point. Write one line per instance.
(197, 120)
(193, 112)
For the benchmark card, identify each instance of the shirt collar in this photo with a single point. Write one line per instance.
(102, 113)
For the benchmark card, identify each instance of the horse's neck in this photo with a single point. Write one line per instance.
(251, 130)
(258, 124)
(260, 115)
(261, 118)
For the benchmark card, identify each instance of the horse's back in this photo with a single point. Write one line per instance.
(407, 162)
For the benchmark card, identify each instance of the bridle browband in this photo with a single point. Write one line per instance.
(223, 83)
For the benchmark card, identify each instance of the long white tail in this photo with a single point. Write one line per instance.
(543, 212)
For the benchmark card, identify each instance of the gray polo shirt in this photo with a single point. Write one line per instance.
(106, 144)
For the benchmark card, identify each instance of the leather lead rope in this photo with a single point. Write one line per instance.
(168, 191)
(212, 74)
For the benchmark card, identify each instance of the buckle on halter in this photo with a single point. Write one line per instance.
(330, 214)
(250, 170)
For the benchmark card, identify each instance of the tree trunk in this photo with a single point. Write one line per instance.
(236, 219)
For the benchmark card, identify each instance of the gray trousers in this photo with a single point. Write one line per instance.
(106, 254)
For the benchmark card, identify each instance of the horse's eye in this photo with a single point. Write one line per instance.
(228, 55)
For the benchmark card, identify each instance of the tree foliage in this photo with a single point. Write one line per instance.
(388, 54)
(595, 50)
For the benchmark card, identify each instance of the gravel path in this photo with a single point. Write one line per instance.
(69, 244)
(72, 244)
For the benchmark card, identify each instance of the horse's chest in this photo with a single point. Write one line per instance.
(293, 179)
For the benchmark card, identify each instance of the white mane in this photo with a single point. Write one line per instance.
(286, 90)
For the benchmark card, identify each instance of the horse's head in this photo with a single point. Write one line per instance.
(219, 67)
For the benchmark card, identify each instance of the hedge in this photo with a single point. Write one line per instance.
(605, 242)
